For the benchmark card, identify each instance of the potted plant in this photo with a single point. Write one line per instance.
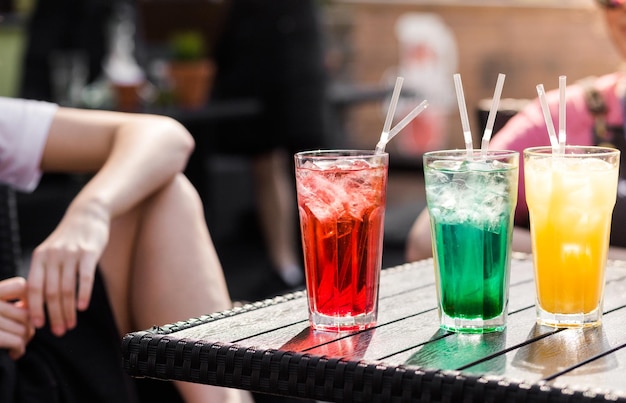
(190, 70)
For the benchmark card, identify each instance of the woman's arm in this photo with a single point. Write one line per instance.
(131, 156)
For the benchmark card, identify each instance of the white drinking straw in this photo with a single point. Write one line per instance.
(384, 136)
(405, 121)
(380, 147)
(467, 133)
(562, 133)
(547, 117)
(484, 146)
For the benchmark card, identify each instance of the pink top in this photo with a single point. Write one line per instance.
(528, 127)
(24, 126)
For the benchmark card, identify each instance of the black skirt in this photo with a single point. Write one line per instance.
(82, 366)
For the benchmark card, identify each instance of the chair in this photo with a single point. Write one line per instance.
(9, 233)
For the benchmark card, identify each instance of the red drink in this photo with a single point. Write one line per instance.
(341, 199)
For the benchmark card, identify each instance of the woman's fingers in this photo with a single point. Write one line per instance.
(52, 288)
(66, 318)
(15, 328)
(13, 288)
(15, 334)
(86, 275)
(36, 287)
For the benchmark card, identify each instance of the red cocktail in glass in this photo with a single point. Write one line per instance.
(341, 199)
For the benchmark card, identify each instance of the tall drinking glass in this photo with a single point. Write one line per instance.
(570, 199)
(341, 200)
(471, 202)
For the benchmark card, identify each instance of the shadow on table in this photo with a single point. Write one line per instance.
(471, 352)
(565, 350)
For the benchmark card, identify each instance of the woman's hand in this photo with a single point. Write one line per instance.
(63, 267)
(15, 328)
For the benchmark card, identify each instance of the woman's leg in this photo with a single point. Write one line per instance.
(160, 267)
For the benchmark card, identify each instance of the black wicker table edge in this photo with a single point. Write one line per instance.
(327, 378)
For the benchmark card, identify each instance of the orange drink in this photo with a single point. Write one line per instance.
(570, 199)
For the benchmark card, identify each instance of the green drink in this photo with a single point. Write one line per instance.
(473, 276)
(471, 202)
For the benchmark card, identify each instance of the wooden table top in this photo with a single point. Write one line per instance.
(268, 347)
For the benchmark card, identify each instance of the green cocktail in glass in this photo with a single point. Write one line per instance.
(471, 201)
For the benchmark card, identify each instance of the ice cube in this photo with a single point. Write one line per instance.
(448, 165)
(594, 164)
(356, 205)
(435, 178)
(481, 166)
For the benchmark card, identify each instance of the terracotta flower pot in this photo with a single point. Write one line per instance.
(191, 82)
(127, 96)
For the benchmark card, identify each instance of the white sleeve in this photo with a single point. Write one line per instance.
(24, 126)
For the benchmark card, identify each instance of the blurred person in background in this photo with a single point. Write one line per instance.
(596, 115)
(271, 51)
(63, 28)
(131, 251)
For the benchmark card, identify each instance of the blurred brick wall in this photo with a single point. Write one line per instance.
(531, 45)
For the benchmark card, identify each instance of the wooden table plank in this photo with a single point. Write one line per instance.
(292, 308)
(407, 291)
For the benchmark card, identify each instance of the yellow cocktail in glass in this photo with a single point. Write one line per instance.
(570, 199)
